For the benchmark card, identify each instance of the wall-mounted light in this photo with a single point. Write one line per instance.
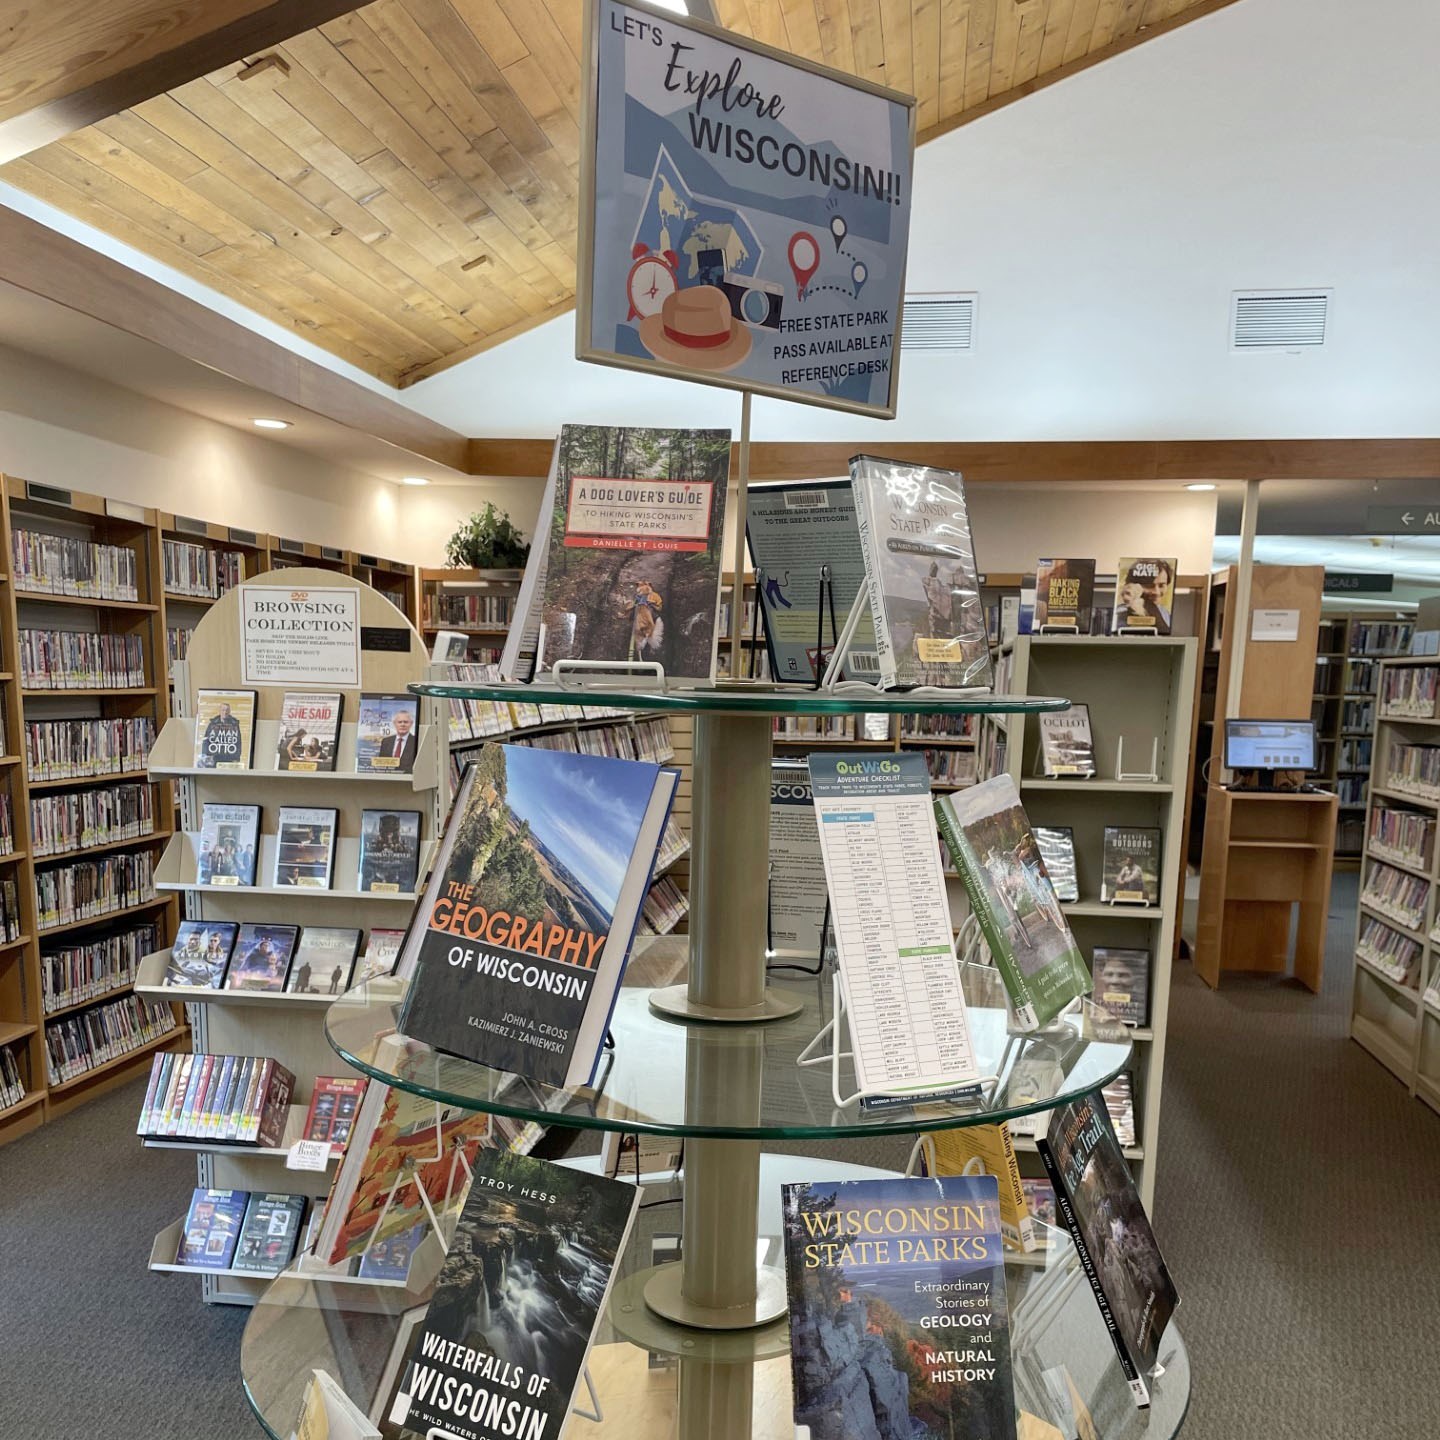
(263, 424)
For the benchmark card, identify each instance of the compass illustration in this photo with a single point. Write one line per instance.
(651, 280)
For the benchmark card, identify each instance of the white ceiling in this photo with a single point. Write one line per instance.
(1407, 557)
(1104, 222)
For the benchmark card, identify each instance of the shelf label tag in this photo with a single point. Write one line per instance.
(308, 1155)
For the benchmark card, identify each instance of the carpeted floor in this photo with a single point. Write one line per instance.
(1297, 1204)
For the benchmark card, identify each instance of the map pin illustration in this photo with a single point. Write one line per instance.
(859, 275)
(839, 229)
(804, 256)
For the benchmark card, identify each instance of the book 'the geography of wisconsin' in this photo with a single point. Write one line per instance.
(899, 1325)
(531, 908)
(529, 1269)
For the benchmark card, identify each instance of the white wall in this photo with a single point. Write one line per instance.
(60, 427)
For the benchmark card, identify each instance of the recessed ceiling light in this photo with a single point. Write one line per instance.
(1201, 485)
(271, 424)
(413, 480)
(678, 7)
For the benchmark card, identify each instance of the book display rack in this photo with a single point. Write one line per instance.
(1140, 691)
(283, 1025)
(713, 1062)
(1395, 1009)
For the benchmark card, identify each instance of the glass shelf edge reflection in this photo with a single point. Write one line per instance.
(752, 1089)
(745, 699)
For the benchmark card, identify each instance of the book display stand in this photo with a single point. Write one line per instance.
(283, 1025)
(712, 1062)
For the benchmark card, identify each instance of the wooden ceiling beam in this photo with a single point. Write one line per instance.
(38, 260)
(1075, 462)
(70, 63)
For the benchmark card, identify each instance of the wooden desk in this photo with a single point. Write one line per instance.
(1264, 852)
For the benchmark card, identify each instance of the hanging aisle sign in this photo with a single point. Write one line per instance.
(744, 214)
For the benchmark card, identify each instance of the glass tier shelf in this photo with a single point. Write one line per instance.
(363, 1337)
(742, 1082)
(747, 697)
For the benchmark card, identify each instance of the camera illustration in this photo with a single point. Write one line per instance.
(754, 302)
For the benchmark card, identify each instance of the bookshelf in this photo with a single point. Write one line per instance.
(84, 843)
(288, 1027)
(1143, 689)
(1351, 647)
(1395, 1003)
(168, 598)
(477, 603)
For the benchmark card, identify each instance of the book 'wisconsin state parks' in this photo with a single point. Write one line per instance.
(898, 1313)
(521, 938)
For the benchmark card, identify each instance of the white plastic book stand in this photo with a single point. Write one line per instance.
(1152, 774)
(1059, 628)
(603, 674)
(813, 1054)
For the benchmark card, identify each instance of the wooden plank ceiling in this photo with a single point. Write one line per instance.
(400, 186)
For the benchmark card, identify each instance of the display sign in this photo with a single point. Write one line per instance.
(299, 637)
(745, 213)
(1274, 625)
(1357, 582)
(1402, 520)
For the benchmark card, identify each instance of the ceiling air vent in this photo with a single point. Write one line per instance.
(1279, 319)
(935, 321)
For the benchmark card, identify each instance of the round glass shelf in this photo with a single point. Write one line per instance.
(362, 1336)
(751, 697)
(741, 1081)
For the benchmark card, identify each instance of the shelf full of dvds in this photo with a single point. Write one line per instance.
(1395, 1003)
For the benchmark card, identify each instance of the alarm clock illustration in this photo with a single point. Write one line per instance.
(652, 279)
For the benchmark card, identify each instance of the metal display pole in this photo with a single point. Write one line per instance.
(742, 516)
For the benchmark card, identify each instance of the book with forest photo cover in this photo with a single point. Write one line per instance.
(899, 1321)
(627, 564)
(522, 934)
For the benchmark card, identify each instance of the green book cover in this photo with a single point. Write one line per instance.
(1011, 894)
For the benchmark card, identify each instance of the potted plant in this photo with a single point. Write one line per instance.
(487, 541)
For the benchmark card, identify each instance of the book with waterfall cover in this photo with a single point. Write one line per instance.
(522, 934)
(1101, 1208)
(504, 1343)
(627, 562)
(994, 850)
(1064, 593)
(921, 575)
(899, 1323)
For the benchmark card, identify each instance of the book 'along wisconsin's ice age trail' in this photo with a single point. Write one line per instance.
(517, 1302)
(627, 563)
(899, 1324)
(920, 569)
(525, 926)
(996, 854)
(1102, 1210)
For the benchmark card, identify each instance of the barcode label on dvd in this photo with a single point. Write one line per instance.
(807, 500)
(861, 662)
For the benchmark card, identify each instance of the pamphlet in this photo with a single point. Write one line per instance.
(909, 1029)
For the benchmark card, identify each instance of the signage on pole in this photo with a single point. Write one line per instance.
(744, 213)
(1357, 582)
(1402, 519)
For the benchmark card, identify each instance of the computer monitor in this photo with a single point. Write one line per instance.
(1269, 745)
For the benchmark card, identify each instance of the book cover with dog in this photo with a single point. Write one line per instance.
(633, 560)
